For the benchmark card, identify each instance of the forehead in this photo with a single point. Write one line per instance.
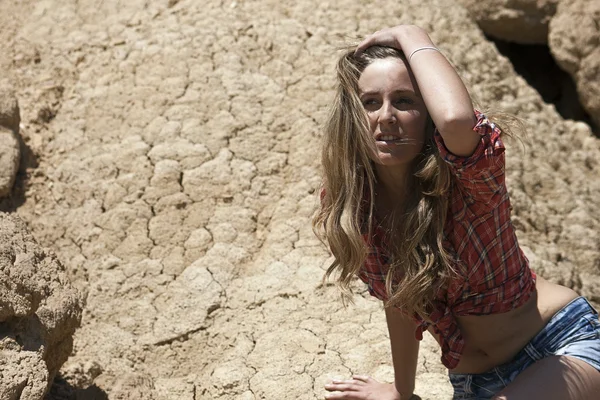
(385, 75)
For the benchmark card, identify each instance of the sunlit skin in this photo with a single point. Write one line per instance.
(396, 111)
(394, 107)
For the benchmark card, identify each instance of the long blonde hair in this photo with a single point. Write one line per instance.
(419, 263)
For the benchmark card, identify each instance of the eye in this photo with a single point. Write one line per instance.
(404, 100)
(370, 104)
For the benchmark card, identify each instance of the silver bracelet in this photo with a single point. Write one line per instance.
(422, 48)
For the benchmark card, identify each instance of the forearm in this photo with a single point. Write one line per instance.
(405, 351)
(443, 91)
(405, 370)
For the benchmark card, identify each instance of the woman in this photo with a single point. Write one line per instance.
(414, 203)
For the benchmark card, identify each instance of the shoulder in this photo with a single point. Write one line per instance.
(479, 177)
(488, 150)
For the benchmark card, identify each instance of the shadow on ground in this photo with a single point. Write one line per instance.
(63, 390)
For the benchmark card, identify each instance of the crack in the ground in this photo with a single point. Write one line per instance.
(181, 338)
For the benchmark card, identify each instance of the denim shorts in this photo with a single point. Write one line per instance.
(573, 331)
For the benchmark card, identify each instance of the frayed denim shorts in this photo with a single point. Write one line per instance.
(573, 331)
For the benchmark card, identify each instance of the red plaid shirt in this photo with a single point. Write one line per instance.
(494, 275)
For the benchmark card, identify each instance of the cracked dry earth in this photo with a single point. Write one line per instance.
(173, 163)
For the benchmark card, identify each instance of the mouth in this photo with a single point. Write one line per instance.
(389, 139)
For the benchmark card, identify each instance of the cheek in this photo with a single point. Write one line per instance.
(420, 124)
(372, 118)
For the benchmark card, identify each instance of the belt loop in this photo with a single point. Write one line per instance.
(468, 384)
(499, 375)
(532, 352)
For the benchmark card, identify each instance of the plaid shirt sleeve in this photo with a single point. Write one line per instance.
(481, 175)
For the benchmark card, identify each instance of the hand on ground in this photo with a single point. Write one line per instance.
(361, 388)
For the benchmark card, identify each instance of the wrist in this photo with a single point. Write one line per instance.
(403, 394)
(413, 37)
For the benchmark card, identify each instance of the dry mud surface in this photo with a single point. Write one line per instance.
(171, 162)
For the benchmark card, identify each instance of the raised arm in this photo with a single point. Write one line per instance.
(444, 93)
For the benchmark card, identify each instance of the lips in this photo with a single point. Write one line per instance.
(386, 137)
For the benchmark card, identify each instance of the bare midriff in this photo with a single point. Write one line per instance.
(492, 340)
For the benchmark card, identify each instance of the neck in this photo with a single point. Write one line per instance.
(393, 182)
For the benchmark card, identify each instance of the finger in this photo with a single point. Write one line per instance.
(344, 380)
(381, 39)
(365, 44)
(348, 386)
(362, 378)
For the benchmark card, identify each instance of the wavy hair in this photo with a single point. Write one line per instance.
(419, 264)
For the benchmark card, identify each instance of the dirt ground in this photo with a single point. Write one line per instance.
(172, 161)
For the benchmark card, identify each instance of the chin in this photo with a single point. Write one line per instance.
(393, 161)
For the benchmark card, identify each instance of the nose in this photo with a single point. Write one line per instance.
(386, 114)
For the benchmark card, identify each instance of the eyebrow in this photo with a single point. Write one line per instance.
(372, 92)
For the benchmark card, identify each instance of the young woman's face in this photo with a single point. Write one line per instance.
(396, 112)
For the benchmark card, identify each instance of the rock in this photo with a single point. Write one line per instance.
(10, 157)
(520, 21)
(9, 108)
(571, 28)
(133, 387)
(39, 312)
(81, 374)
(574, 40)
(10, 152)
(179, 179)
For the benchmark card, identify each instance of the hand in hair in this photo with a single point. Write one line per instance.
(364, 388)
(445, 96)
(402, 37)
